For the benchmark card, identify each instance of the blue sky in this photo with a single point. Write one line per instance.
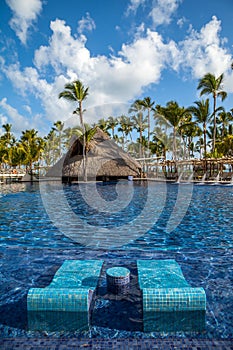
(121, 49)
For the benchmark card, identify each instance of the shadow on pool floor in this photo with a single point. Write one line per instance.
(122, 311)
(15, 314)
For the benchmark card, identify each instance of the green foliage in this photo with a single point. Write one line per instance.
(195, 126)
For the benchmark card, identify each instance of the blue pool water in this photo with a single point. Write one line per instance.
(192, 225)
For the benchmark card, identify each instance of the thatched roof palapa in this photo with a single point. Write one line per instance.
(105, 160)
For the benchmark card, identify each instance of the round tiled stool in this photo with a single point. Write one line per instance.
(118, 279)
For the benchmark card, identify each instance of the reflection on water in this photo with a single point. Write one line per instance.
(15, 187)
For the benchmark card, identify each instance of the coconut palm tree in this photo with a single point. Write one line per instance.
(161, 142)
(31, 146)
(202, 116)
(7, 142)
(7, 135)
(76, 92)
(174, 115)
(209, 84)
(139, 122)
(125, 127)
(103, 124)
(188, 130)
(58, 126)
(112, 123)
(147, 104)
(224, 118)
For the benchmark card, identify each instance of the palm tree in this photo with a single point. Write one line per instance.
(112, 123)
(188, 130)
(31, 146)
(59, 128)
(7, 135)
(103, 124)
(76, 92)
(139, 122)
(202, 116)
(7, 141)
(90, 133)
(174, 115)
(147, 104)
(161, 142)
(125, 128)
(224, 118)
(199, 146)
(212, 85)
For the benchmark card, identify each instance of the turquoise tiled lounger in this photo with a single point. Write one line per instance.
(70, 290)
(67, 300)
(170, 304)
(164, 287)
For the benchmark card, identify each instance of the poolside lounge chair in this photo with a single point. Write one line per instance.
(71, 291)
(166, 292)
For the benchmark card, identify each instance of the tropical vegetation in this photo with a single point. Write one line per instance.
(146, 130)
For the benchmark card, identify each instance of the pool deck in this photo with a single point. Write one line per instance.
(115, 344)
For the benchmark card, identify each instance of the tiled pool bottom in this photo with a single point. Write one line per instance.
(115, 317)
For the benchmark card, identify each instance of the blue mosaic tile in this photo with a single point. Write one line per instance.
(118, 279)
(53, 321)
(118, 272)
(71, 289)
(164, 288)
(57, 299)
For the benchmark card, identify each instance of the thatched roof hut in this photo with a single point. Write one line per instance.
(105, 161)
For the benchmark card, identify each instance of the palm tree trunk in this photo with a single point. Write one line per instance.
(84, 156)
(148, 132)
(174, 149)
(140, 143)
(214, 133)
(174, 144)
(204, 132)
(84, 142)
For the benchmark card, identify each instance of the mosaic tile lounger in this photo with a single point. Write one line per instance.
(71, 289)
(164, 288)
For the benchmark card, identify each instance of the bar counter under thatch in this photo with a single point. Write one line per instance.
(104, 161)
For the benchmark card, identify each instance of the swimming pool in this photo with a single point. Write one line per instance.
(198, 237)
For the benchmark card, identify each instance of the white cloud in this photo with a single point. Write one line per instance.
(64, 50)
(3, 120)
(25, 13)
(181, 22)
(21, 122)
(203, 52)
(118, 78)
(163, 10)
(15, 117)
(86, 24)
(228, 82)
(134, 4)
(113, 79)
(28, 81)
(27, 108)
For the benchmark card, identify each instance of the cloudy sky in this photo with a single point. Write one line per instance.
(121, 49)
